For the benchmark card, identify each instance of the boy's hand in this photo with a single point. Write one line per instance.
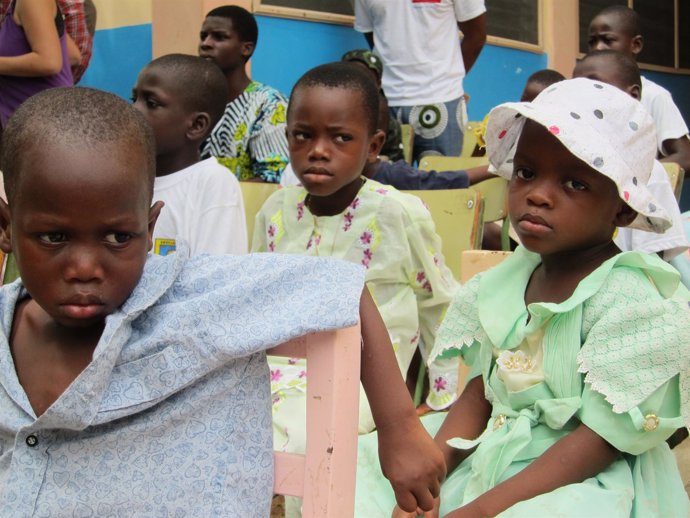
(412, 463)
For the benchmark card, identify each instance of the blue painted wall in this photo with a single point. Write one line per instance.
(118, 56)
(288, 48)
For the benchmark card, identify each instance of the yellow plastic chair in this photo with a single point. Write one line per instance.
(407, 135)
(469, 139)
(457, 215)
(254, 194)
(494, 193)
(10, 272)
(676, 174)
(324, 477)
(451, 163)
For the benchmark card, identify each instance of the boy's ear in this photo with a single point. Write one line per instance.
(247, 49)
(199, 126)
(154, 212)
(5, 227)
(636, 44)
(635, 91)
(375, 144)
(625, 215)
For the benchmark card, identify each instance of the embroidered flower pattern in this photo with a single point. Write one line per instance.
(380, 190)
(516, 361)
(368, 255)
(440, 384)
(348, 217)
(271, 230)
(276, 375)
(365, 238)
(300, 210)
(271, 247)
(302, 374)
(423, 281)
(355, 203)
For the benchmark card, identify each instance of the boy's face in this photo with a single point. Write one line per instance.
(604, 69)
(328, 138)
(558, 204)
(155, 97)
(80, 228)
(219, 42)
(606, 31)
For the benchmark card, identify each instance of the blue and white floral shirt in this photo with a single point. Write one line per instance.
(172, 417)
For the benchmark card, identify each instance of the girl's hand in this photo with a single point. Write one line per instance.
(412, 463)
(399, 513)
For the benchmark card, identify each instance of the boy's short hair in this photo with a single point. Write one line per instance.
(630, 20)
(346, 76)
(200, 83)
(367, 57)
(76, 116)
(243, 22)
(626, 66)
(545, 77)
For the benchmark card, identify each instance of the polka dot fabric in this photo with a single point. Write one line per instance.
(602, 126)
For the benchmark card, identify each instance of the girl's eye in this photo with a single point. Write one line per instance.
(575, 185)
(522, 173)
(118, 238)
(299, 135)
(52, 238)
(343, 138)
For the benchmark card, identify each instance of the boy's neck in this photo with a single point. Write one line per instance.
(181, 159)
(238, 80)
(336, 202)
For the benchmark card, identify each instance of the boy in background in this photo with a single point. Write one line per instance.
(618, 28)
(183, 97)
(250, 138)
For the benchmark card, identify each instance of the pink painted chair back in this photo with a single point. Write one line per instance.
(324, 477)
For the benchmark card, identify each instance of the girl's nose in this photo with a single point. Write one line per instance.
(540, 194)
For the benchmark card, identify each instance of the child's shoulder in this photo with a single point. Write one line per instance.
(395, 202)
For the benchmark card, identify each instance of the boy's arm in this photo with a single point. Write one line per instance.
(409, 459)
(473, 39)
(576, 457)
(678, 151)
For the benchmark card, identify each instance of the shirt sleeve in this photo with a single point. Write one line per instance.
(363, 22)
(468, 9)
(268, 142)
(668, 119)
(434, 287)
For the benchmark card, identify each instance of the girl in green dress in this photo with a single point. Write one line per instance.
(579, 354)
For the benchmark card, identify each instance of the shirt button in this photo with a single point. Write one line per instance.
(499, 421)
(31, 441)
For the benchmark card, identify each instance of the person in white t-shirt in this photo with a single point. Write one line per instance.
(424, 63)
(618, 28)
(621, 71)
(183, 97)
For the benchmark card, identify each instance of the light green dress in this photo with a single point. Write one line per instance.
(392, 235)
(614, 356)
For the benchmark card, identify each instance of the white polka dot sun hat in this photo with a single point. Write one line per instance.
(598, 123)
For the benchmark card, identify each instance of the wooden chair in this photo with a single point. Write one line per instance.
(324, 477)
(254, 194)
(407, 136)
(676, 174)
(451, 163)
(457, 215)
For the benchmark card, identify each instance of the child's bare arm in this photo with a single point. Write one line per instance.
(576, 457)
(409, 458)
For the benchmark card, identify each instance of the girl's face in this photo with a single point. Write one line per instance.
(557, 202)
(329, 144)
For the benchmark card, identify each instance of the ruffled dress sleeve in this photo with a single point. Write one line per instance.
(636, 355)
